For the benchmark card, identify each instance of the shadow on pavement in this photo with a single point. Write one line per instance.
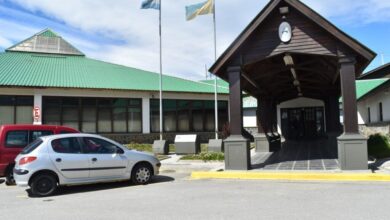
(67, 190)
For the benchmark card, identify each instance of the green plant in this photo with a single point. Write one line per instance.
(379, 146)
(140, 147)
(205, 156)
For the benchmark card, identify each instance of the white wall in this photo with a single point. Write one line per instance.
(250, 118)
(372, 102)
(297, 103)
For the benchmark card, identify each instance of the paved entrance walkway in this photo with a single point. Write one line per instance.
(299, 155)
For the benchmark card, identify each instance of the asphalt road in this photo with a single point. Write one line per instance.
(174, 196)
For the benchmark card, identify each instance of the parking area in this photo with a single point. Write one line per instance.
(174, 196)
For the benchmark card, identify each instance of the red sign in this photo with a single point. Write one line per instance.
(36, 114)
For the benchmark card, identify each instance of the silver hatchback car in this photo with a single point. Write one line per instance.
(73, 159)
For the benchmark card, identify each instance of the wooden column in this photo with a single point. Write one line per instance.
(260, 117)
(235, 100)
(332, 114)
(348, 89)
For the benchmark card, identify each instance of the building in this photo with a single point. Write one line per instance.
(374, 103)
(45, 79)
(297, 65)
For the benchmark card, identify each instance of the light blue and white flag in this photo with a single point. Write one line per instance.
(151, 4)
(204, 8)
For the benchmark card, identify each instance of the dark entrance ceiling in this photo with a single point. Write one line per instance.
(289, 75)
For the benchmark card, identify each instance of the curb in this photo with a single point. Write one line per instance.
(349, 177)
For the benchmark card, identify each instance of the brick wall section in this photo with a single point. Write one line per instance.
(149, 138)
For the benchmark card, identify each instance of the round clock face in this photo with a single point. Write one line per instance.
(285, 33)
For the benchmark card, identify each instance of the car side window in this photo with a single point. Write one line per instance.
(66, 146)
(16, 139)
(36, 134)
(98, 146)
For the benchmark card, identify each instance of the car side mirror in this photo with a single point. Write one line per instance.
(119, 151)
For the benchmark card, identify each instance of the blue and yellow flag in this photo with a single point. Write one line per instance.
(151, 4)
(203, 8)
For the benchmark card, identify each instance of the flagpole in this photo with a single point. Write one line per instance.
(215, 81)
(161, 102)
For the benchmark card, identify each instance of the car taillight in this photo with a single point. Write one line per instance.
(26, 160)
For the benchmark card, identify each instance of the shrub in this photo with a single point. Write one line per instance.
(205, 156)
(379, 146)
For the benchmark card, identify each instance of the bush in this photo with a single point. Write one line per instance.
(140, 147)
(206, 156)
(378, 146)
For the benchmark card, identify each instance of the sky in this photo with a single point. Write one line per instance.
(118, 31)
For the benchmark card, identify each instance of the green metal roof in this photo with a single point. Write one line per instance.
(62, 71)
(363, 87)
(47, 60)
(220, 82)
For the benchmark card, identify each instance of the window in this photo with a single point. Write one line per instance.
(94, 115)
(170, 115)
(183, 115)
(32, 146)
(16, 109)
(70, 112)
(89, 113)
(17, 139)
(36, 134)
(98, 146)
(369, 115)
(66, 146)
(187, 115)
(155, 115)
(380, 112)
(119, 115)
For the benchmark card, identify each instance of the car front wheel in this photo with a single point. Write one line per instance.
(142, 174)
(43, 185)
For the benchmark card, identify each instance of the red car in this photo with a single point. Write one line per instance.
(13, 138)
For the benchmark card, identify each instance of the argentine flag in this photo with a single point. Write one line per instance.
(203, 8)
(151, 4)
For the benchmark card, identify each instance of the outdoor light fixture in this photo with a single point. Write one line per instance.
(284, 10)
(288, 60)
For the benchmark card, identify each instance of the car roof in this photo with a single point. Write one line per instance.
(7, 126)
(56, 136)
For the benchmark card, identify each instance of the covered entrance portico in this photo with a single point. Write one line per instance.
(297, 65)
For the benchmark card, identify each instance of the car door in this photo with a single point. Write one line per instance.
(106, 159)
(68, 158)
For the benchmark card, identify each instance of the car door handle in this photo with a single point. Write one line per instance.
(58, 160)
(94, 159)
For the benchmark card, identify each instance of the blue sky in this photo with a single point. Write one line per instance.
(118, 31)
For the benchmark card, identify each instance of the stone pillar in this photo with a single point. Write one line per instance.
(261, 140)
(37, 111)
(237, 150)
(145, 115)
(352, 146)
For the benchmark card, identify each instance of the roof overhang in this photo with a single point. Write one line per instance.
(367, 54)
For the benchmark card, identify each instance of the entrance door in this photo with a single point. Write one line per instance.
(302, 123)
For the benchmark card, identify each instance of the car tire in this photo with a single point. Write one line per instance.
(142, 174)
(43, 185)
(9, 177)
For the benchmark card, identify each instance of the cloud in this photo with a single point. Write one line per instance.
(119, 32)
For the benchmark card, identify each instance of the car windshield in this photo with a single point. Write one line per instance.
(32, 146)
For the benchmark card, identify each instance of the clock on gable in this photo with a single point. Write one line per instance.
(285, 32)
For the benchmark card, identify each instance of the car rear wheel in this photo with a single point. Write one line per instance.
(142, 174)
(9, 176)
(43, 185)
